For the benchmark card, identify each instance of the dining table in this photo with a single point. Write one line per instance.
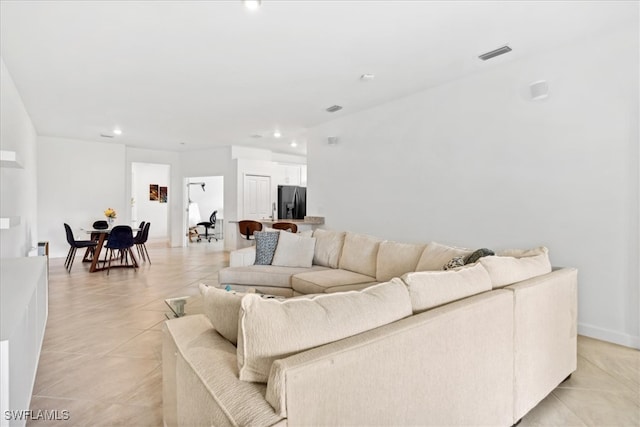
(94, 257)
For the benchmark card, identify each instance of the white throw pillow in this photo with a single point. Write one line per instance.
(430, 289)
(222, 308)
(360, 254)
(294, 250)
(328, 247)
(506, 270)
(436, 255)
(270, 329)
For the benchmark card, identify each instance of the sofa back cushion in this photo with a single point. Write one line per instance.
(436, 256)
(328, 247)
(506, 270)
(430, 289)
(222, 308)
(360, 254)
(274, 329)
(396, 259)
(294, 250)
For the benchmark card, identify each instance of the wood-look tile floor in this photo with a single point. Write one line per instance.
(101, 357)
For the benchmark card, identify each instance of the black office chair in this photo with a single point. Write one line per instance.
(121, 238)
(210, 225)
(74, 245)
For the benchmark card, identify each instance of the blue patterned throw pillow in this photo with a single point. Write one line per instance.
(266, 243)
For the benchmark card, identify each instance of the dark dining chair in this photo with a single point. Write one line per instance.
(140, 241)
(99, 225)
(248, 227)
(138, 236)
(74, 245)
(121, 239)
(211, 224)
(289, 226)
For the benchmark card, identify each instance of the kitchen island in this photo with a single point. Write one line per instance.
(237, 241)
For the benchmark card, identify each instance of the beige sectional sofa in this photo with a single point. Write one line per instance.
(477, 345)
(341, 261)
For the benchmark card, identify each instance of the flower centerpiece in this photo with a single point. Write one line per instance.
(110, 214)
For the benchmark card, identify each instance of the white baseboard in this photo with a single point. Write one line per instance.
(609, 335)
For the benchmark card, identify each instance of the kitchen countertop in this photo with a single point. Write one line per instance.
(310, 220)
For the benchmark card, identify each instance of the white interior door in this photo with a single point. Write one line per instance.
(257, 197)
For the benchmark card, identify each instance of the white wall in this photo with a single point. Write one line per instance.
(77, 181)
(213, 162)
(18, 187)
(174, 161)
(476, 163)
(151, 211)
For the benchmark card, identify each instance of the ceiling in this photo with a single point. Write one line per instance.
(189, 75)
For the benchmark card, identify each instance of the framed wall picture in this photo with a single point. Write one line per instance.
(153, 191)
(163, 194)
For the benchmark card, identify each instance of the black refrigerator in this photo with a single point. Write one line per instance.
(292, 202)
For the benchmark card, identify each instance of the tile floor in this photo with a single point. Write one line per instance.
(101, 357)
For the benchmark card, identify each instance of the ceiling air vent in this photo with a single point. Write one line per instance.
(499, 51)
(334, 108)
(106, 135)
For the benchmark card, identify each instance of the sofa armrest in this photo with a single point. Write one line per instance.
(242, 257)
(545, 321)
(447, 366)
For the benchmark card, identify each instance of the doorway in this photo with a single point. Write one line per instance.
(205, 195)
(257, 197)
(149, 198)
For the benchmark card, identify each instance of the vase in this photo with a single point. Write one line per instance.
(110, 220)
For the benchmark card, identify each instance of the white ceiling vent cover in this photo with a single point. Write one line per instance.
(497, 52)
(334, 108)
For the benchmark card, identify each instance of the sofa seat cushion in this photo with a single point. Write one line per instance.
(207, 367)
(273, 329)
(317, 282)
(265, 275)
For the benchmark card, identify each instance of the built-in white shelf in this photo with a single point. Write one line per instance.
(9, 159)
(8, 222)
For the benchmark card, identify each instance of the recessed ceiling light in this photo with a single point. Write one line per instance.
(496, 52)
(117, 131)
(252, 4)
(277, 134)
(294, 144)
